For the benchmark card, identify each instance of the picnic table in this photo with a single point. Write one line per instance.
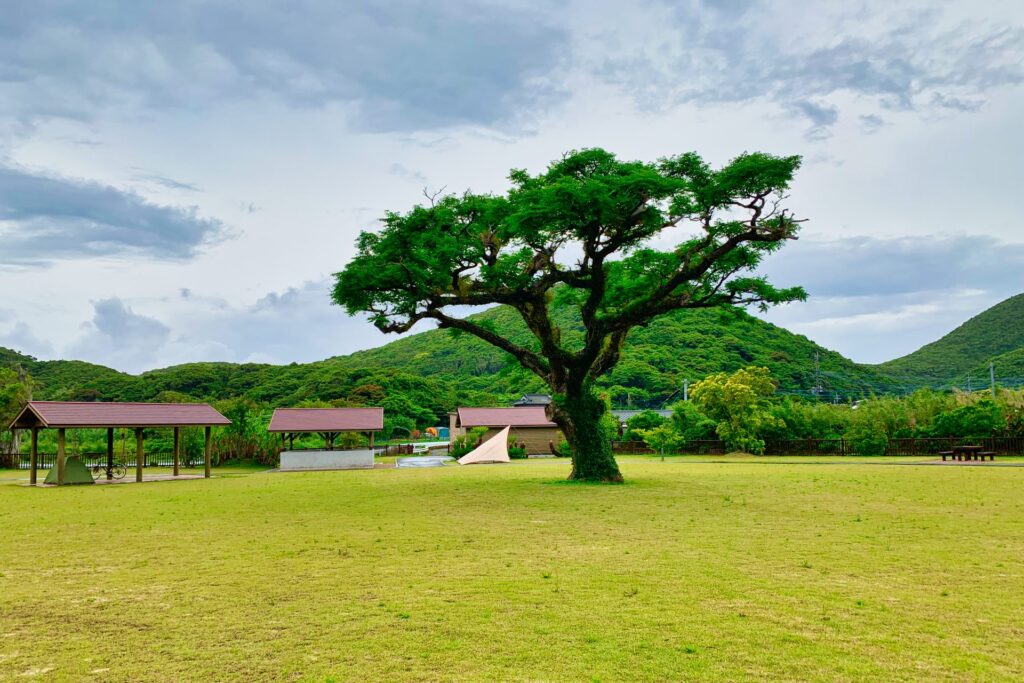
(970, 452)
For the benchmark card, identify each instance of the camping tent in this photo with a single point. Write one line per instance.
(75, 472)
(495, 449)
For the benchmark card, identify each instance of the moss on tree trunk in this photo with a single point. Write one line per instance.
(580, 420)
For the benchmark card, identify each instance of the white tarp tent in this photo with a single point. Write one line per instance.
(495, 449)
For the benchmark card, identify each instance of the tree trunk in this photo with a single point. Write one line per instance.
(580, 420)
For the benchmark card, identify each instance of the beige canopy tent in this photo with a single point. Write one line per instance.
(495, 449)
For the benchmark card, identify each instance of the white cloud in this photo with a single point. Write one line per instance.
(298, 324)
(299, 129)
(45, 218)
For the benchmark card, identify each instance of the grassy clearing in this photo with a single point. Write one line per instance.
(691, 570)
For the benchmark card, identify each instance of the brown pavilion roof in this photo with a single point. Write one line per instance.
(521, 416)
(327, 420)
(56, 414)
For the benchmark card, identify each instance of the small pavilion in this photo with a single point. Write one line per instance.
(64, 415)
(329, 423)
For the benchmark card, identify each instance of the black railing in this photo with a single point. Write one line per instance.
(47, 461)
(933, 446)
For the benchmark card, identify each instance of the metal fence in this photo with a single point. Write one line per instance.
(47, 461)
(1010, 445)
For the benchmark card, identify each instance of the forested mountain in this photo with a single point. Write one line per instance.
(996, 335)
(431, 372)
(422, 376)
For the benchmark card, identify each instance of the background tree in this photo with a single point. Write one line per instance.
(663, 438)
(15, 390)
(691, 423)
(740, 404)
(585, 233)
(647, 419)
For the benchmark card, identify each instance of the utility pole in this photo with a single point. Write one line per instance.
(992, 377)
(968, 382)
(817, 374)
(686, 390)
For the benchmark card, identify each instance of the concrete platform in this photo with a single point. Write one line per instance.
(129, 479)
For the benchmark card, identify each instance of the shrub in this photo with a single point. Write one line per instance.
(980, 419)
(467, 442)
(640, 422)
(691, 423)
(868, 438)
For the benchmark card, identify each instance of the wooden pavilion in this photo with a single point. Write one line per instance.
(64, 415)
(328, 422)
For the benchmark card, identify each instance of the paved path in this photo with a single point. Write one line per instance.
(130, 479)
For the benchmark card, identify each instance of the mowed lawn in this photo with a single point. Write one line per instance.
(742, 571)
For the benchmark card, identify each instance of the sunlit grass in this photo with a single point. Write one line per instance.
(691, 570)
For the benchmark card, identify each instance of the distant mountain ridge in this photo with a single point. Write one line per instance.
(443, 369)
(683, 346)
(994, 335)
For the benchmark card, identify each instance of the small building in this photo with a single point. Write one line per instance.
(529, 425)
(328, 423)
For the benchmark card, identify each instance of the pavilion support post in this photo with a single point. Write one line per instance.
(140, 453)
(60, 456)
(34, 457)
(110, 453)
(177, 450)
(371, 442)
(206, 472)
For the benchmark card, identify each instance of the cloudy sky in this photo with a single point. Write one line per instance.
(179, 180)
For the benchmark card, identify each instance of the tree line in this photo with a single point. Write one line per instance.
(743, 410)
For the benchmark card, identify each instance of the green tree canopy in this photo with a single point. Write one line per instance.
(740, 404)
(582, 232)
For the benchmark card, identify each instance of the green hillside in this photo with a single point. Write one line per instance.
(969, 348)
(658, 358)
(1009, 367)
(434, 371)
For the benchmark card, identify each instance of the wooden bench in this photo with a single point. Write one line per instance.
(990, 454)
(951, 454)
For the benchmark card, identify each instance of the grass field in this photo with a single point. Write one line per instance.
(692, 570)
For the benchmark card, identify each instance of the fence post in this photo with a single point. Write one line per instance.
(177, 448)
(140, 453)
(34, 457)
(110, 453)
(60, 456)
(206, 450)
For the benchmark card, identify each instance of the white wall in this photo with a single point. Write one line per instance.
(327, 460)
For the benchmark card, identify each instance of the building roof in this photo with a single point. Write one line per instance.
(55, 414)
(522, 416)
(533, 400)
(623, 415)
(327, 420)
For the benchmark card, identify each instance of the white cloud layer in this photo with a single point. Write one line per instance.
(135, 139)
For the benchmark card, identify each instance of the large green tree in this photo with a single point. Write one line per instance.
(624, 241)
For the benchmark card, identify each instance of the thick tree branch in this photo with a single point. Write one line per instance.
(529, 360)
